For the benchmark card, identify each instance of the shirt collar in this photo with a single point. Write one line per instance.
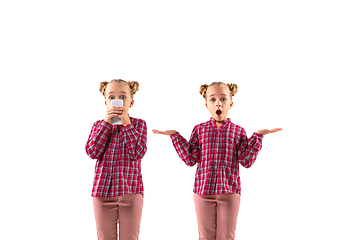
(226, 121)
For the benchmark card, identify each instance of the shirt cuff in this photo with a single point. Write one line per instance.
(130, 135)
(174, 136)
(258, 135)
(128, 127)
(105, 124)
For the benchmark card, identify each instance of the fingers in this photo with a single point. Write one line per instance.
(276, 130)
(267, 131)
(115, 111)
(166, 132)
(157, 131)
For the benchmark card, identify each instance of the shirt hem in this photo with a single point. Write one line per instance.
(119, 195)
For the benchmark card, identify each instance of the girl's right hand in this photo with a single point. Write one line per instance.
(166, 132)
(112, 112)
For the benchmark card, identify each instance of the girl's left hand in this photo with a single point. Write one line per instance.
(124, 116)
(267, 131)
(166, 132)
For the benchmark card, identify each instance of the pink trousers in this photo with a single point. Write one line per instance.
(217, 215)
(124, 209)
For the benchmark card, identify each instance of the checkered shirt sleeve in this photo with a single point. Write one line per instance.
(189, 152)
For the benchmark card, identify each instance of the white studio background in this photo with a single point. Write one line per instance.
(297, 67)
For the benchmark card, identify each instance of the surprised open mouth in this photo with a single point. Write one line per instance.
(218, 112)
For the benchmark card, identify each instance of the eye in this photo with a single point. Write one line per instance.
(122, 97)
(111, 97)
(212, 100)
(223, 99)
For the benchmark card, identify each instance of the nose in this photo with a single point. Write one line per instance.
(218, 103)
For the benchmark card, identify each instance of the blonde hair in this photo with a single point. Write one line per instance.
(232, 88)
(133, 85)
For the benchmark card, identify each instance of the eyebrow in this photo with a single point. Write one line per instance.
(119, 92)
(215, 94)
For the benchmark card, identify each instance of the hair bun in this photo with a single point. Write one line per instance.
(203, 89)
(233, 88)
(134, 86)
(102, 87)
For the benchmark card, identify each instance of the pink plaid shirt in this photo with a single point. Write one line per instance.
(118, 151)
(217, 152)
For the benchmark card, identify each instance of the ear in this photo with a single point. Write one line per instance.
(231, 104)
(206, 106)
(132, 103)
(106, 104)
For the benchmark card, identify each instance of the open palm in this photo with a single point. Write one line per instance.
(166, 132)
(267, 131)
